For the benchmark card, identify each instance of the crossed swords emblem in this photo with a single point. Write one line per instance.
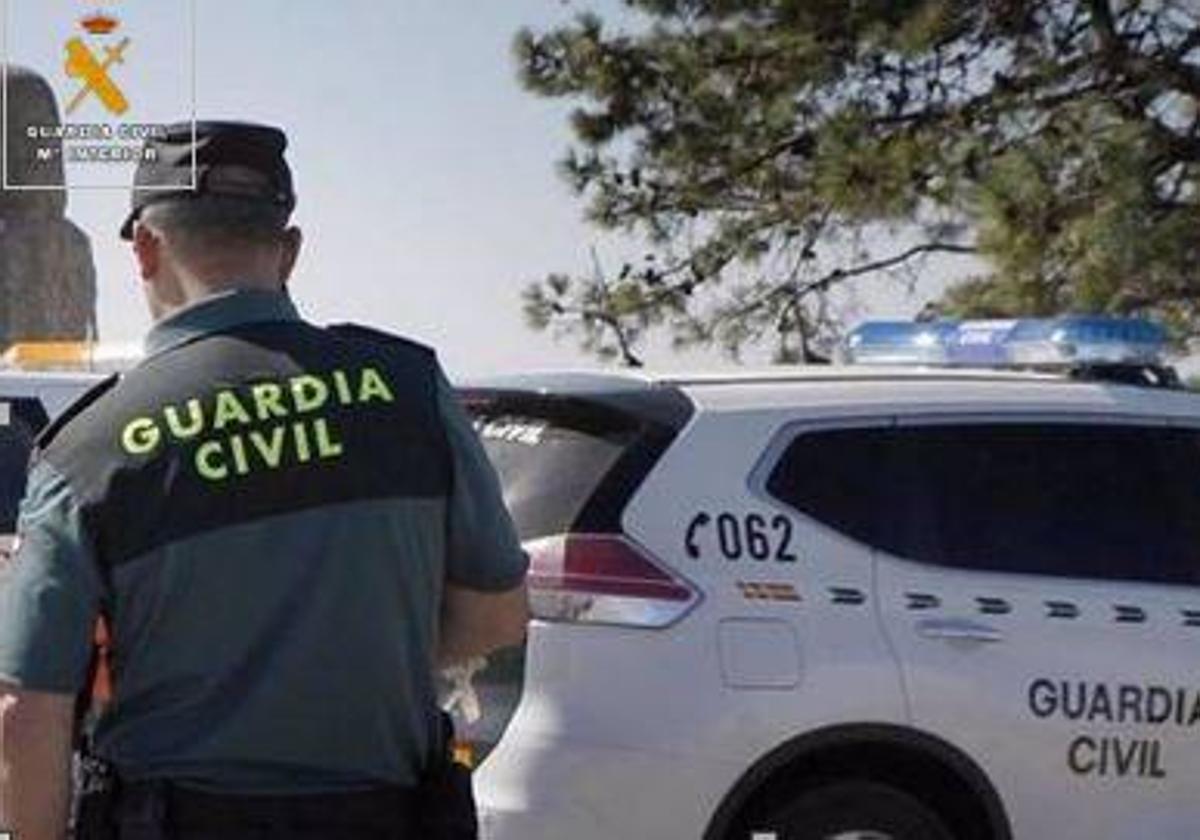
(87, 66)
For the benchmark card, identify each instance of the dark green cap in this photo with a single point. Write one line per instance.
(235, 161)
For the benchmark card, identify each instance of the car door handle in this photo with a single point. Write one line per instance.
(955, 630)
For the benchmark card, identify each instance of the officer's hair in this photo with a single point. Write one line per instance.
(203, 226)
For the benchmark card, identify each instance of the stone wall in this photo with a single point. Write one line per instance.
(47, 276)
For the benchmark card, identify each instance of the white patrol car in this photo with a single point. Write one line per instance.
(37, 382)
(854, 603)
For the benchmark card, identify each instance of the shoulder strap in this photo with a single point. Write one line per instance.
(74, 410)
(370, 334)
(428, 357)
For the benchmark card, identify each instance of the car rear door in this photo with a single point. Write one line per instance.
(1040, 589)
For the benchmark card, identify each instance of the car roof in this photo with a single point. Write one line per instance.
(590, 381)
(28, 380)
(53, 389)
(900, 388)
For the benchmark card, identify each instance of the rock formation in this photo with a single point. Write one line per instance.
(47, 277)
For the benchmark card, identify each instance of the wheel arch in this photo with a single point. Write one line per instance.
(811, 753)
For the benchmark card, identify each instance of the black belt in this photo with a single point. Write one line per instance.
(391, 809)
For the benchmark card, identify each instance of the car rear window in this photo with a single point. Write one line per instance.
(1102, 501)
(551, 458)
(20, 422)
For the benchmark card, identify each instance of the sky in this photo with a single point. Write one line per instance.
(428, 190)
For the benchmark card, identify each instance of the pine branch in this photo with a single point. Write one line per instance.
(840, 275)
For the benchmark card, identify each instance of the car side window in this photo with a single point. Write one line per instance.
(1098, 501)
(835, 477)
(20, 422)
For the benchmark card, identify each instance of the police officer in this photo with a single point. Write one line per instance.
(288, 529)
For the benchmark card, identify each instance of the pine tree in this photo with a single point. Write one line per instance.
(752, 143)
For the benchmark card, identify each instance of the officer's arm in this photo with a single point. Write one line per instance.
(484, 605)
(477, 623)
(49, 599)
(35, 762)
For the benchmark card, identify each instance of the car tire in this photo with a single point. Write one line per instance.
(854, 811)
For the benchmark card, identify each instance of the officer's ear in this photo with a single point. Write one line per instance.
(148, 248)
(293, 240)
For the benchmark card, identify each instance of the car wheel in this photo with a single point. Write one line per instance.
(854, 811)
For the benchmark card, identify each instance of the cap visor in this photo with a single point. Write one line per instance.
(127, 228)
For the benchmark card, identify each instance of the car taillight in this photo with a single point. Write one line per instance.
(604, 579)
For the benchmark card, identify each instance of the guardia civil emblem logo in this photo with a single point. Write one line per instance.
(95, 69)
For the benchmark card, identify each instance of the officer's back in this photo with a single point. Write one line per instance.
(284, 525)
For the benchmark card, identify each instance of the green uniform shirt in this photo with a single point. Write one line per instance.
(267, 512)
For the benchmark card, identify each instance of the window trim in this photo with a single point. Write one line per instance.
(1055, 418)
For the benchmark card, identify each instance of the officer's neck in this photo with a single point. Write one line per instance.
(187, 292)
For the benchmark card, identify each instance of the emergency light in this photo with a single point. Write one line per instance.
(1087, 340)
(1044, 343)
(900, 342)
(69, 356)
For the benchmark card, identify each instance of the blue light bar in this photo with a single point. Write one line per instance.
(1028, 342)
(900, 342)
(1087, 340)
(980, 343)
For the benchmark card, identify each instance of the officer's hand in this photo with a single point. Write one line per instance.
(478, 623)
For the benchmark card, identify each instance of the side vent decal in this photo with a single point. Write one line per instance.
(922, 601)
(1128, 614)
(993, 606)
(1061, 609)
(849, 597)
